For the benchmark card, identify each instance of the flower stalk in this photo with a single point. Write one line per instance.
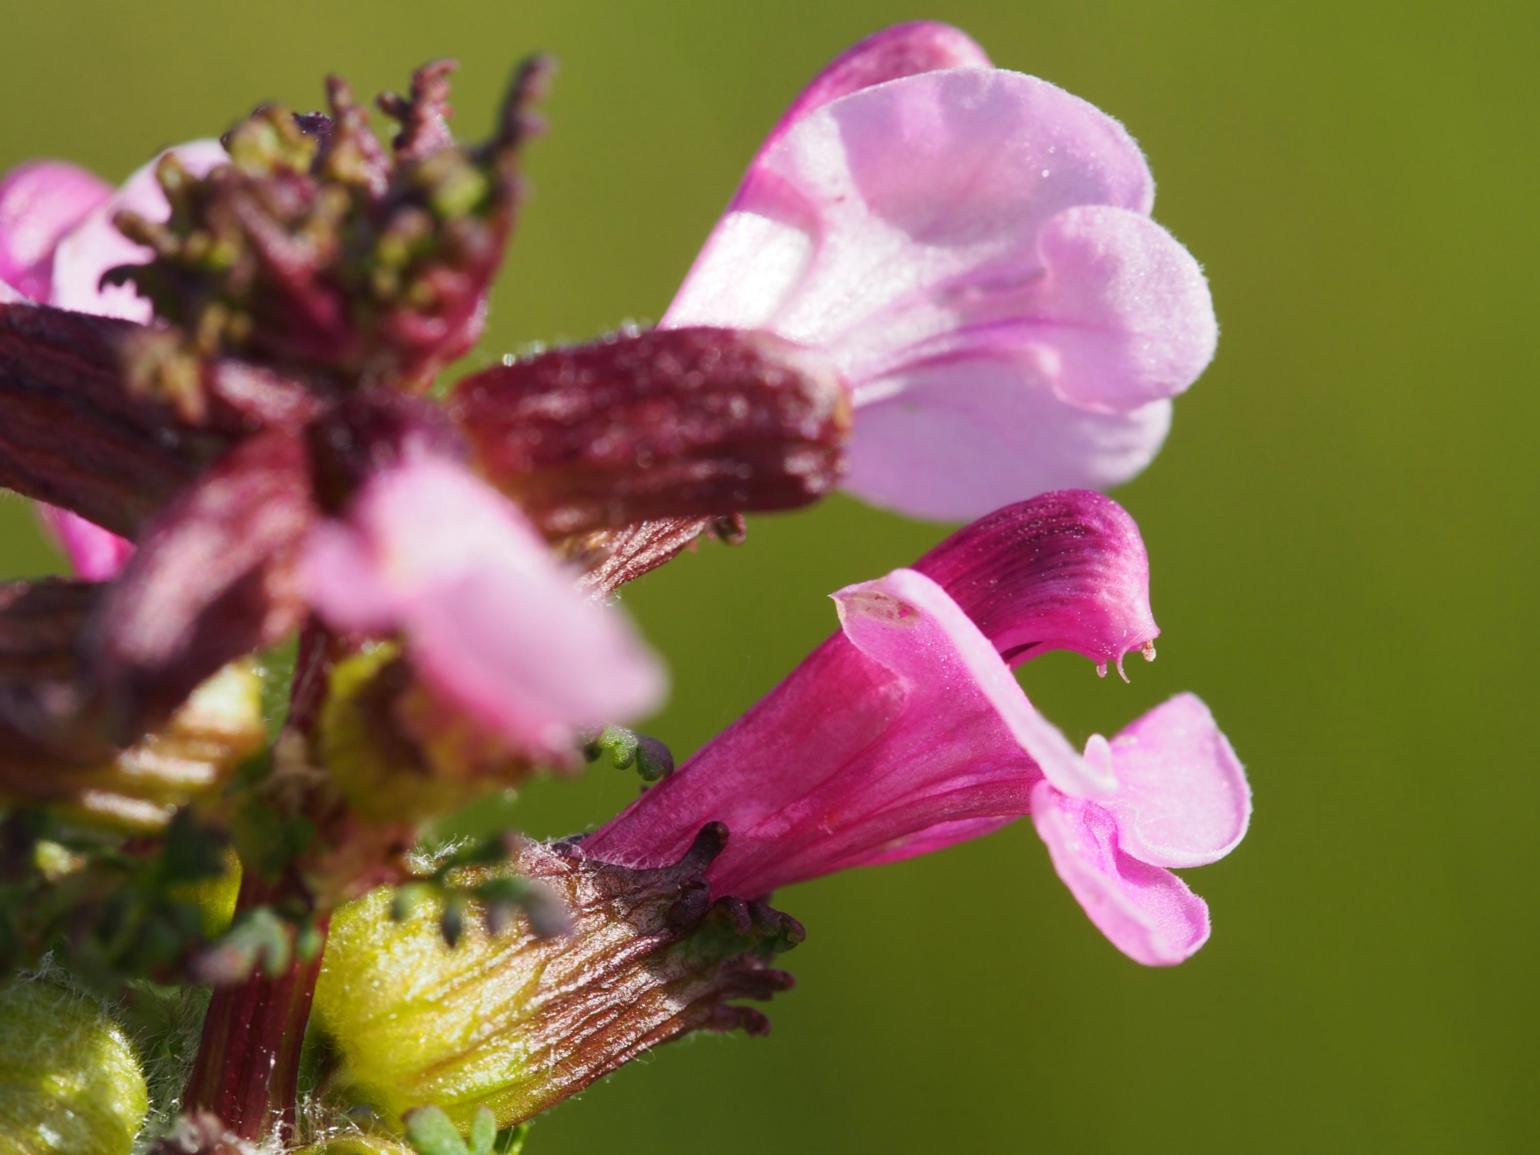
(246, 1071)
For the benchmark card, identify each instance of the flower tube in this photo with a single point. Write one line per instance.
(906, 733)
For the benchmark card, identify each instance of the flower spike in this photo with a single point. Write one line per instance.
(323, 598)
(681, 423)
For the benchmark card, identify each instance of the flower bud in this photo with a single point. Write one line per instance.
(69, 1081)
(662, 424)
(518, 1022)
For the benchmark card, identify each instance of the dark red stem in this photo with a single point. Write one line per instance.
(247, 1068)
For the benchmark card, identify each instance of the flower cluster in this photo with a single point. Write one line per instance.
(324, 596)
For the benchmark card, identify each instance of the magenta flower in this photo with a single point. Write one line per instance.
(906, 733)
(974, 250)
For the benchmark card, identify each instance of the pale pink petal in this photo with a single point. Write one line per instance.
(94, 553)
(40, 202)
(1122, 315)
(343, 579)
(9, 296)
(490, 620)
(955, 439)
(95, 245)
(876, 211)
(1182, 797)
(1061, 571)
(1148, 913)
(972, 248)
(901, 50)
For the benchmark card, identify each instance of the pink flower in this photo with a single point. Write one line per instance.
(56, 241)
(906, 733)
(973, 248)
(489, 619)
(40, 202)
(94, 245)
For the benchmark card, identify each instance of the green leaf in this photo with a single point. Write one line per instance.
(483, 1132)
(430, 1132)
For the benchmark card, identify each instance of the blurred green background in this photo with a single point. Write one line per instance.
(1341, 530)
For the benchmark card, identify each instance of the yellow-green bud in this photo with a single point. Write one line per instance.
(517, 1022)
(69, 1081)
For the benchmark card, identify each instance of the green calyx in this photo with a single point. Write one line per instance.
(515, 1022)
